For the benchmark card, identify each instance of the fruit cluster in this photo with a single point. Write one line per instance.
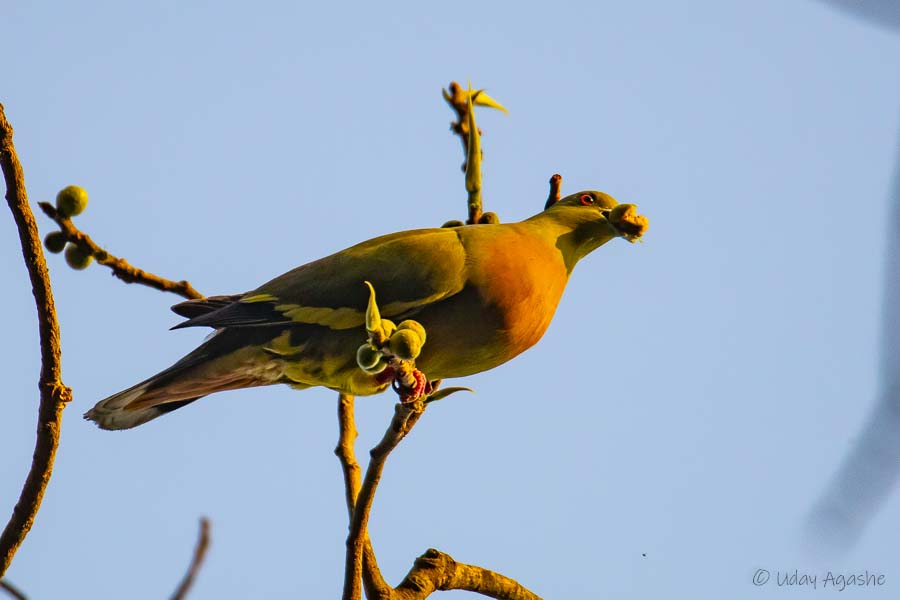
(70, 201)
(404, 341)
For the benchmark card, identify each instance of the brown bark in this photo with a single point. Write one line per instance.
(196, 561)
(121, 268)
(432, 571)
(54, 394)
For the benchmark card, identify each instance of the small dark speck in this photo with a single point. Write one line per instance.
(644, 554)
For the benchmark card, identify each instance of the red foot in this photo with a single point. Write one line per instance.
(417, 391)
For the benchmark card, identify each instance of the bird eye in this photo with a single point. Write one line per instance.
(587, 199)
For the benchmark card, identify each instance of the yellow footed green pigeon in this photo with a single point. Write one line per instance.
(484, 293)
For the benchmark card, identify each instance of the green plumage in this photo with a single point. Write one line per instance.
(484, 293)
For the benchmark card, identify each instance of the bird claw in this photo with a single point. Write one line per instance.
(421, 387)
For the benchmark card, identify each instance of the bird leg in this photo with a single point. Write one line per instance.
(410, 383)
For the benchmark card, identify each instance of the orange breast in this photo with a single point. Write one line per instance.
(515, 287)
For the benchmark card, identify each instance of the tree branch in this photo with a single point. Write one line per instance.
(121, 268)
(196, 561)
(433, 570)
(456, 98)
(406, 415)
(374, 582)
(461, 103)
(345, 450)
(54, 393)
(555, 186)
(12, 590)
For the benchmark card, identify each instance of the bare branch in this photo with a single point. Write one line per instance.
(435, 571)
(345, 450)
(376, 586)
(196, 561)
(555, 186)
(406, 415)
(121, 268)
(456, 97)
(12, 590)
(54, 393)
(461, 103)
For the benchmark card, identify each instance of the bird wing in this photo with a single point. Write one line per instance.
(409, 270)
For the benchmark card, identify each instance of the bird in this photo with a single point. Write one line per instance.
(484, 293)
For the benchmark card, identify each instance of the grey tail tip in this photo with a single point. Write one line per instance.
(113, 414)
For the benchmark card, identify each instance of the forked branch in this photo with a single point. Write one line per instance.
(432, 571)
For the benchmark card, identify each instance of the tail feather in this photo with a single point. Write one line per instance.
(229, 360)
(118, 412)
(194, 308)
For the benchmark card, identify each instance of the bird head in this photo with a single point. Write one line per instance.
(590, 218)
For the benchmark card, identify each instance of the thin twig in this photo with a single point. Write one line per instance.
(555, 186)
(373, 581)
(121, 268)
(345, 450)
(456, 98)
(433, 570)
(405, 417)
(12, 590)
(196, 561)
(54, 393)
(461, 103)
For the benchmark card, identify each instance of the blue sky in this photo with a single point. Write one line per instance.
(691, 399)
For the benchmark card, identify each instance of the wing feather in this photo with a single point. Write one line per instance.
(409, 270)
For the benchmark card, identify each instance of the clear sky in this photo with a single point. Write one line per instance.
(666, 438)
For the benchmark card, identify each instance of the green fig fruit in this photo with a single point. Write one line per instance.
(414, 326)
(55, 241)
(71, 201)
(367, 356)
(388, 328)
(380, 366)
(77, 258)
(405, 344)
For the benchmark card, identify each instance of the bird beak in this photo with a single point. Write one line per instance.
(627, 222)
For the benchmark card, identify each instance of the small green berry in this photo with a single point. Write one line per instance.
(77, 258)
(71, 201)
(367, 356)
(453, 223)
(55, 242)
(413, 326)
(380, 366)
(406, 344)
(388, 327)
(489, 218)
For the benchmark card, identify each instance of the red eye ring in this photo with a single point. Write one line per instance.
(587, 199)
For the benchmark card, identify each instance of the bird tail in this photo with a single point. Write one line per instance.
(126, 409)
(222, 363)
